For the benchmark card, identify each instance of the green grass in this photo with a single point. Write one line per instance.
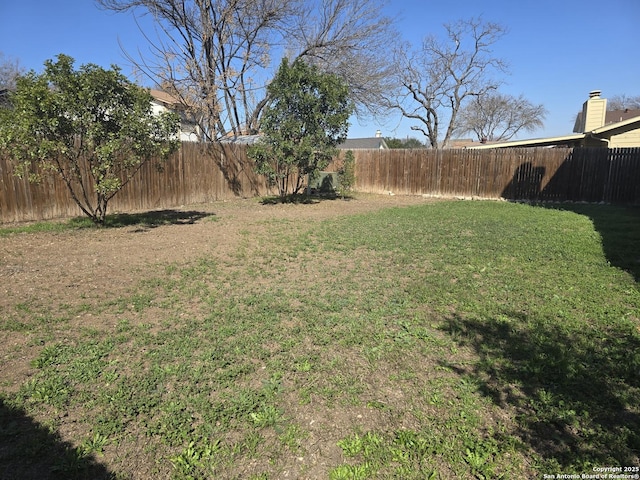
(47, 226)
(450, 340)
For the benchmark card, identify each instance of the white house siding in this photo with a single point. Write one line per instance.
(187, 133)
(625, 140)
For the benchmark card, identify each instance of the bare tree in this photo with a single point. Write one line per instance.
(216, 55)
(348, 38)
(623, 102)
(207, 53)
(10, 70)
(436, 79)
(497, 117)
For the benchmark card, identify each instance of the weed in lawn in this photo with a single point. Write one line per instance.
(480, 454)
(293, 437)
(251, 443)
(173, 423)
(403, 454)
(351, 472)
(94, 445)
(351, 446)
(48, 389)
(267, 416)
(197, 461)
(303, 366)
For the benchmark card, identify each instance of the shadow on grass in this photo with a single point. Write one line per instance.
(619, 228)
(304, 199)
(574, 388)
(29, 450)
(155, 218)
(144, 220)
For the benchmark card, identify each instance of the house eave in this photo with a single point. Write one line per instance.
(617, 128)
(534, 142)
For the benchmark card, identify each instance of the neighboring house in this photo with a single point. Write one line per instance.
(370, 143)
(613, 116)
(461, 143)
(163, 101)
(594, 127)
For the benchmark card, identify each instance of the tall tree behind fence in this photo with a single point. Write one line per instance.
(203, 173)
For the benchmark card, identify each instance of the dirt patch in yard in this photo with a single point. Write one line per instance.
(76, 266)
(79, 270)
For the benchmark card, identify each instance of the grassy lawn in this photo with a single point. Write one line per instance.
(448, 340)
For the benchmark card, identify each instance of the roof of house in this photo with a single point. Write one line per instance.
(606, 131)
(375, 143)
(462, 143)
(164, 97)
(241, 139)
(352, 143)
(611, 116)
(603, 133)
(533, 142)
(615, 116)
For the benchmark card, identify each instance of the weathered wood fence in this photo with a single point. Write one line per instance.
(204, 173)
(197, 173)
(536, 174)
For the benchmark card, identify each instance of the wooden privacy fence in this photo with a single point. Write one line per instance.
(202, 173)
(536, 174)
(197, 173)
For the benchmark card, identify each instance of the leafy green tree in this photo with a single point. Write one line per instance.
(91, 126)
(413, 143)
(347, 173)
(393, 143)
(406, 143)
(305, 119)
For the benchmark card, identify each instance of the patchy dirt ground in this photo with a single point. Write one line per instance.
(48, 270)
(66, 267)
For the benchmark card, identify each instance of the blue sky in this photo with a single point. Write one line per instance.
(557, 50)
